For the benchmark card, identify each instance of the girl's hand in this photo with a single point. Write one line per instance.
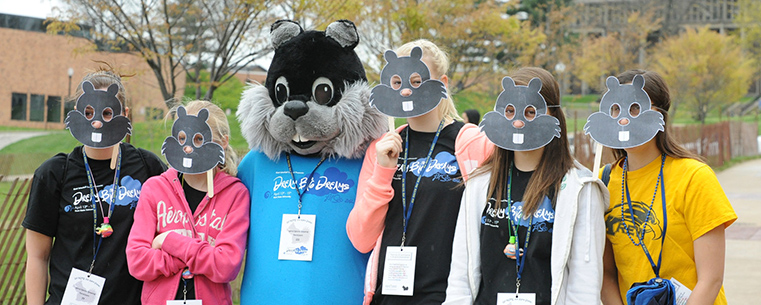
(387, 149)
(158, 241)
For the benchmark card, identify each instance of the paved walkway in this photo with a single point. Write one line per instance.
(9, 137)
(742, 276)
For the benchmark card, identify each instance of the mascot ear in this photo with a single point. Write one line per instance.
(416, 53)
(113, 89)
(344, 32)
(535, 84)
(612, 82)
(203, 114)
(390, 55)
(508, 83)
(283, 30)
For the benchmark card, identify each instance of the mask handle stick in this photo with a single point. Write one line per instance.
(391, 124)
(598, 160)
(114, 156)
(210, 182)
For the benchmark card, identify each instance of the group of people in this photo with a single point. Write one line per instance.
(483, 223)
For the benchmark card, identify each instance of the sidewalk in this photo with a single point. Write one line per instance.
(9, 137)
(742, 275)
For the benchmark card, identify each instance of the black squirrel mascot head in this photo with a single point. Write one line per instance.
(316, 97)
(98, 120)
(191, 149)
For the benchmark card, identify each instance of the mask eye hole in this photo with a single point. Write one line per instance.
(529, 113)
(415, 80)
(197, 140)
(396, 82)
(615, 111)
(181, 137)
(510, 112)
(322, 90)
(634, 110)
(281, 90)
(89, 112)
(108, 114)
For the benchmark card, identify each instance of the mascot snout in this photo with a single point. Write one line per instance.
(295, 109)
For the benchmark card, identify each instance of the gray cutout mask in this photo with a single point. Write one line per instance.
(422, 99)
(110, 132)
(625, 130)
(533, 134)
(203, 157)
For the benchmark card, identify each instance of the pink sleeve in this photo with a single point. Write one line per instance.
(472, 147)
(222, 261)
(144, 262)
(367, 218)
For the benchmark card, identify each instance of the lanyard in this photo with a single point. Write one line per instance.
(520, 259)
(407, 212)
(309, 180)
(93, 197)
(641, 235)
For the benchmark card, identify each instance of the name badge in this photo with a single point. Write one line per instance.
(297, 237)
(508, 298)
(83, 288)
(399, 271)
(184, 302)
(681, 292)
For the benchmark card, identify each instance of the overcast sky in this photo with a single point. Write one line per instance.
(31, 8)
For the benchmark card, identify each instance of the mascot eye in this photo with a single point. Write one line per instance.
(108, 114)
(615, 110)
(281, 90)
(529, 113)
(415, 80)
(322, 90)
(181, 137)
(197, 140)
(89, 112)
(634, 110)
(396, 82)
(510, 112)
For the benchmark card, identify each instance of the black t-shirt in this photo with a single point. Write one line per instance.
(194, 198)
(434, 214)
(498, 272)
(60, 207)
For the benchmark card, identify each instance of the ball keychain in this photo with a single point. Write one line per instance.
(510, 249)
(105, 229)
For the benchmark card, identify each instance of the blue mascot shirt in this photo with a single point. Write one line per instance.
(337, 270)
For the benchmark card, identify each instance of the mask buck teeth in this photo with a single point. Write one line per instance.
(298, 139)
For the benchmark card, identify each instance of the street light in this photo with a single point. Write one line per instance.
(71, 73)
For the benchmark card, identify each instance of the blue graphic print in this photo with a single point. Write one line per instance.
(542, 218)
(442, 167)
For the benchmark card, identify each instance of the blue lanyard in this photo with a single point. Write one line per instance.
(407, 212)
(520, 259)
(641, 236)
(296, 184)
(93, 193)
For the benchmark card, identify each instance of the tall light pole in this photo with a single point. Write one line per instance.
(71, 73)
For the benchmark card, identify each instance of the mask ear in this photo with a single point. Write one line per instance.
(283, 30)
(508, 83)
(203, 114)
(416, 53)
(612, 82)
(113, 89)
(390, 55)
(535, 84)
(87, 87)
(344, 32)
(638, 81)
(181, 111)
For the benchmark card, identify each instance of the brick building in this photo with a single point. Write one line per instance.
(35, 84)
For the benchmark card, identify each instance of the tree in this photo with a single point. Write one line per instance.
(482, 42)
(749, 18)
(705, 70)
(170, 34)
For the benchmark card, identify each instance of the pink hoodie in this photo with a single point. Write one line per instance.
(210, 242)
(367, 219)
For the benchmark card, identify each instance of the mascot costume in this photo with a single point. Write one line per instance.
(308, 128)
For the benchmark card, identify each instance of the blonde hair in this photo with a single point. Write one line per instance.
(439, 64)
(219, 127)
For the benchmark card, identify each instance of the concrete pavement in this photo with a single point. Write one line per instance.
(9, 137)
(742, 275)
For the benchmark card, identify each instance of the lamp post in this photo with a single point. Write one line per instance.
(560, 68)
(71, 73)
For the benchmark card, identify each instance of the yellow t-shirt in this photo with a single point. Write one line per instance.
(695, 203)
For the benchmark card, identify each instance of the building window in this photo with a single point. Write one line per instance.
(37, 108)
(68, 106)
(18, 106)
(54, 108)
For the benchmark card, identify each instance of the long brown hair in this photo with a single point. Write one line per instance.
(556, 159)
(658, 92)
